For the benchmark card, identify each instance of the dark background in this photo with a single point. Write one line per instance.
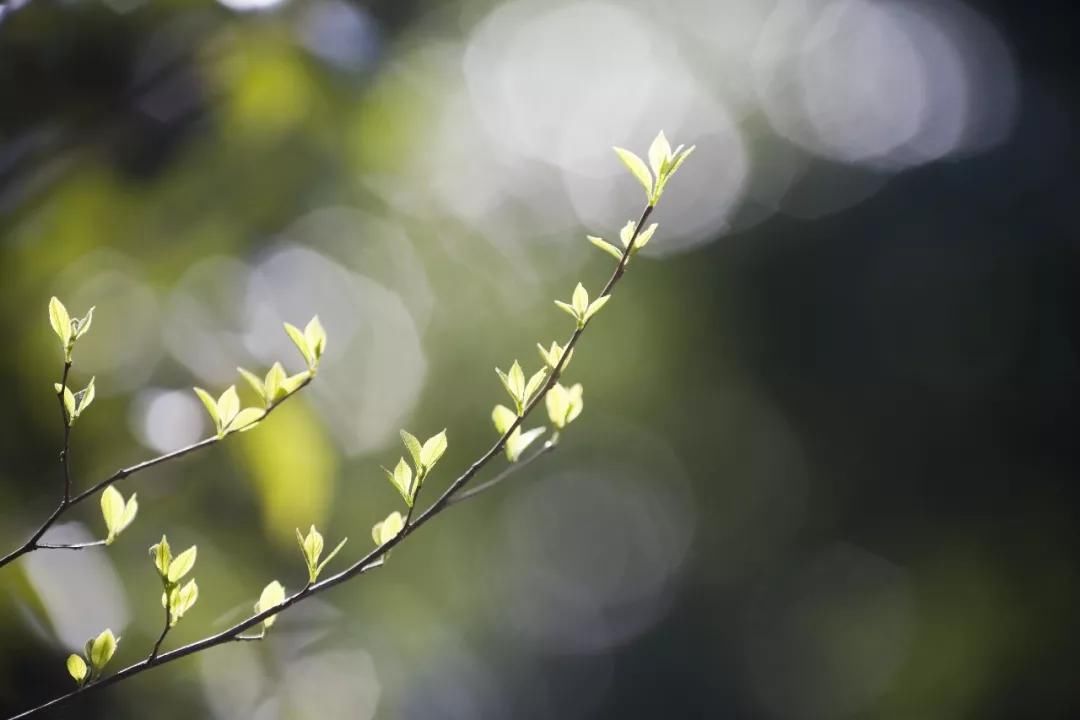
(826, 467)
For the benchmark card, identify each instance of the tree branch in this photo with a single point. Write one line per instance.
(68, 502)
(373, 558)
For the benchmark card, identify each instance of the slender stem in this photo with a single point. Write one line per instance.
(164, 631)
(373, 558)
(65, 453)
(504, 475)
(70, 501)
(71, 546)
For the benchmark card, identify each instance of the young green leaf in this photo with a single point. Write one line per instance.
(660, 155)
(433, 449)
(84, 397)
(514, 382)
(61, 325)
(330, 557)
(292, 383)
(80, 326)
(605, 246)
(569, 310)
(637, 168)
(402, 479)
(70, 406)
(414, 448)
(578, 306)
(255, 383)
(315, 336)
(534, 384)
(211, 408)
(595, 307)
(228, 405)
(301, 344)
(162, 555)
(311, 547)
(672, 162)
(552, 356)
(564, 404)
(627, 233)
(246, 419)
(580, 300)
(272, 596)
(182, 599)
(76, 668)
(102, 649)
(503, 417)
(117, 514)
(274, 385)
(388, 529)
(182, 564)
(519, 441)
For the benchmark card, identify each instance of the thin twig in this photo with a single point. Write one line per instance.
(164, 631)
(71, 546)
(374, 557)
(506, 474)
(32, 544)
(65, 453)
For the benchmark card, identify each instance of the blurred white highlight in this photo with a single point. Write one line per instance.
(884, 84)
(165, 420)
(79, 589)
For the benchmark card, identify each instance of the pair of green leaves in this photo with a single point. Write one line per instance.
(311, 547)
(564, 404)
(553, 355)
(579, 306)
(424, 456)
(521, 392)
(178, 599)
(118, 514)
(503, 418)
(388, 529)
(98, 651)
(75, 402)
(662, 159)
(68, 329)
(276, 386)
(311, 342)
(626, 235)
(226, 414)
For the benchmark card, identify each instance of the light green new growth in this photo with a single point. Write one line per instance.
(175, 599)
(311, 342)
(276, 386)
(68, 329)
(521, 392)
(272, 596)
(98, 652)
(311, 547)
(517, 442)
(117, 513)
(388, 529)
(553, 355)
(77, 669)
(563, 403)
(75, 403)
(664, 162)
(579, 306)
